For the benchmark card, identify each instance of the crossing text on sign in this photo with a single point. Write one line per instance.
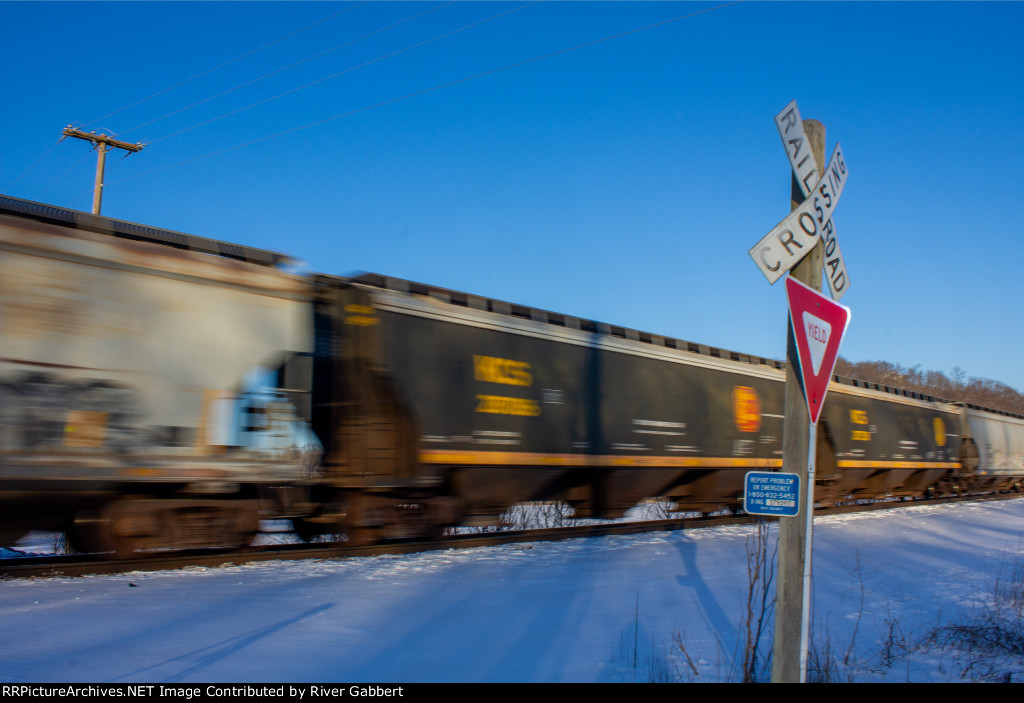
(794, 237)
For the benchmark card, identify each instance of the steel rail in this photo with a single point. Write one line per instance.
(79, 565)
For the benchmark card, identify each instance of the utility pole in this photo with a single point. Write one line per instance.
(795, 245)
(791, 611)
(102, 143)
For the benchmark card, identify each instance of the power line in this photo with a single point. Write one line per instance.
(35, 163)
(436, 87)
(347, 70)
(227, 63)
(256, 80)
(68, 170)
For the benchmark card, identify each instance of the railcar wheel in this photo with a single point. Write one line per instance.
(305, 530)
(362, 536)
(247, 526)
(123, 527)
(362, 522)
(434, 533)
(114, 529)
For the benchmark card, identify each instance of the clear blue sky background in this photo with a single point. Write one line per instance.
(622, 181)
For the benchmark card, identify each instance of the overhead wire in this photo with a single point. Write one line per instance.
(227, 63)
(341, 73)
(276, 71)
(66, 171)
(35, 163)
(434, 88)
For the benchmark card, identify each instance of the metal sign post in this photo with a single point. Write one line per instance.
(805, 577)
(819, 326)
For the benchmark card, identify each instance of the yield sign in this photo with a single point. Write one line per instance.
(818, 325)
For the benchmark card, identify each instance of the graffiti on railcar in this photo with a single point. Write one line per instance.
(40, 410)
(44, 411)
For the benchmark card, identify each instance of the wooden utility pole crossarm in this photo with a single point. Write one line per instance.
(103, 144)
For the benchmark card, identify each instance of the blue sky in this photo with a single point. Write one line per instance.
(622, 181)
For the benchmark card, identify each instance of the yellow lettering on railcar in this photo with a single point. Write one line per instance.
(940, 431)
(859, 417)
(496, 370)
(360, 315)
(500, 405)
(746, 408)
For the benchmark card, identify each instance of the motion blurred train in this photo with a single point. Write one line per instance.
(160, 390)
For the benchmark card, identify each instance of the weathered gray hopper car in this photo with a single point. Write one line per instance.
(994, 451)
(125, 356)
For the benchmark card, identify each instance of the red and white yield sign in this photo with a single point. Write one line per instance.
(818, 325)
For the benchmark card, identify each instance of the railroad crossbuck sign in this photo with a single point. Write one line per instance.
(818, 325)
(805, 169)
(793, 238)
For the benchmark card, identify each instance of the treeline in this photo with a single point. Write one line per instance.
(978, 391)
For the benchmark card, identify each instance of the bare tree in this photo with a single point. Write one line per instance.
(960, 388)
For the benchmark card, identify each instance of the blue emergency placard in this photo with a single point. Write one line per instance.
(769, 493)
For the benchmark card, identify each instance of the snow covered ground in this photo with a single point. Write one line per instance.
(599, 609)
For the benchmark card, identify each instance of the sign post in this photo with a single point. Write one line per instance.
(787, 663)
(818, 325)
(797, 245)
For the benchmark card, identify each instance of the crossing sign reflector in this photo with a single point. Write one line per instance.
(819, 325)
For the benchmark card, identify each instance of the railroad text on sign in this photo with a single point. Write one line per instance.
(805, 170)
(794, 237)
(791, 129)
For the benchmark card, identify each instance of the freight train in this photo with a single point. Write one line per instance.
(160, 390)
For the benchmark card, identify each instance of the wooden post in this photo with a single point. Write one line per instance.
(97, 190)
(789, 653)
(103, 144)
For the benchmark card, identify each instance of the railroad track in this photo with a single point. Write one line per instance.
(79, 565)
